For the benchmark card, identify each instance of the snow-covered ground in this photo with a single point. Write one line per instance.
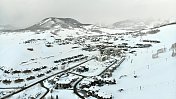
(156, 78)
(140, 76)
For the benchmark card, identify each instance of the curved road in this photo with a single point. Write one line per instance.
(24, 88)
(47, 90)
(75, 86)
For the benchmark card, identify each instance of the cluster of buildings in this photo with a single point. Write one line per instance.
(63, 81)
(88, 86)
(97, 94)
(27, 72)
(82, 69)
(96, 80)
(151, 41)
(33, 41)
(68, 60)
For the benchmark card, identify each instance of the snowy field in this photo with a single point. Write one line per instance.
(156, 78)
(140, 76)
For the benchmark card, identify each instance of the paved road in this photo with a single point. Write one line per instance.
(47, 90)
(107, 68)
(76, 90)
(11, 88)
(26, 87)
(75, 86)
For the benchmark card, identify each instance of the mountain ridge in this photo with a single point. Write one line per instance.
(53, 22)
(139, 24)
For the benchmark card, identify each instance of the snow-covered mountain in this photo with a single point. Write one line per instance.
(53, 22)
(33, 63)
(138, 24)
(6, 27)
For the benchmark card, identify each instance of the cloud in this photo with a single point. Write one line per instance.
(28, 12)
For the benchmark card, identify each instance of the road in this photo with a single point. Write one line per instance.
(76, 90)
(26, 87)
(75, 86)
(11, 88)
(47, 89)
(107, 68)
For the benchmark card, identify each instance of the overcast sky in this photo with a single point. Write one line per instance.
(27, 12)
